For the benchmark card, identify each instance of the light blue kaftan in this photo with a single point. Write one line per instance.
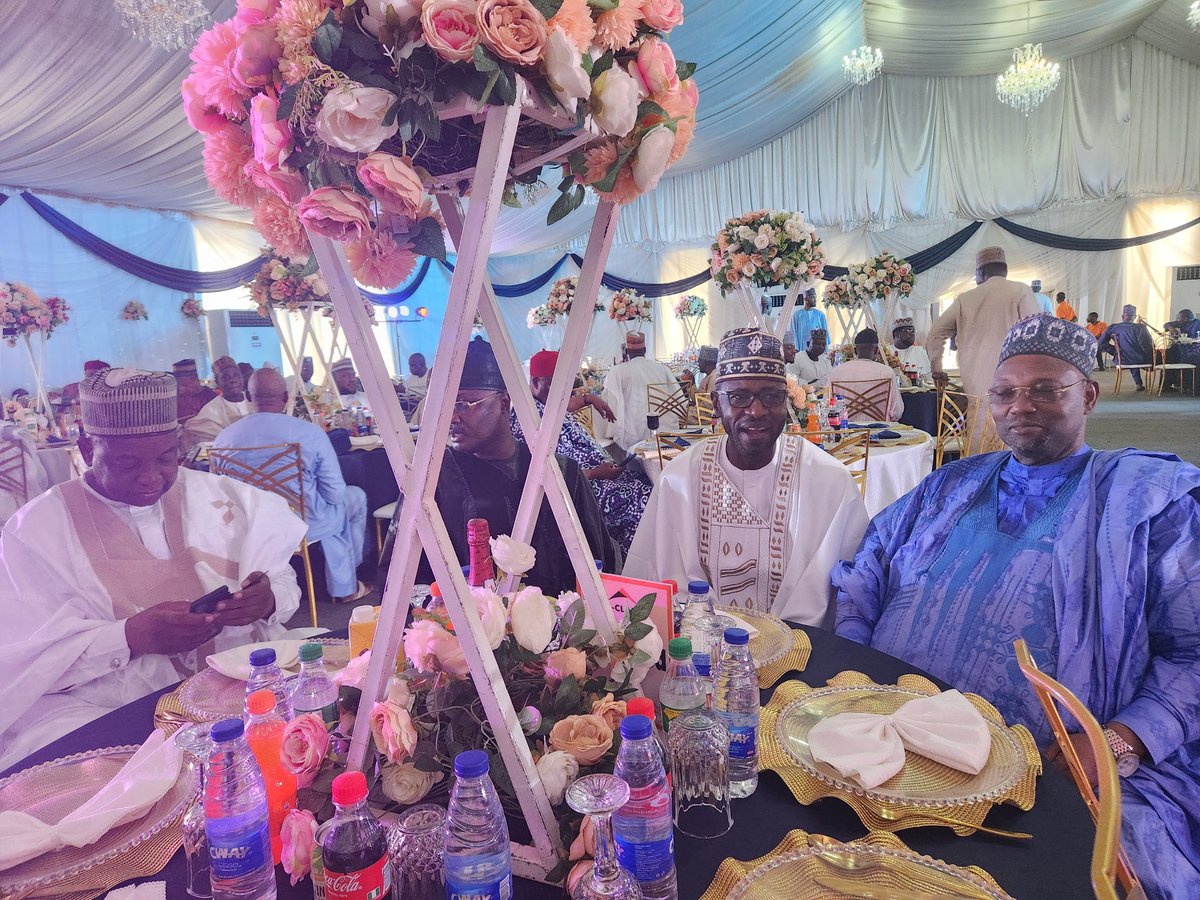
(1100, 574)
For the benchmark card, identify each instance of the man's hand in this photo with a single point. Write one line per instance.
(254, 601)
(941, 379)
(1083, 748)
(601, 407)
(604, 470)
(168, 628)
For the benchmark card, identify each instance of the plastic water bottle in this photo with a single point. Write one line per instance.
(264, 734)
(478, 858)
(643, 827)
(354, 846)
(266, 675)
(236, 819)
(735, 700)
(698, 605)
(682, 688)
(315, 691)
(644, 706)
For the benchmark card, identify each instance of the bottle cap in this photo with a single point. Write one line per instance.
(471, 764)
(697, 587)
(635, 727)
(263, 656)
(311, 652)
(434, 590)
(599, 564)
(679, 648)
(226, 730)
(349, 788)
(362, 614)
(639, 706)
(737, 636)
(260, 702)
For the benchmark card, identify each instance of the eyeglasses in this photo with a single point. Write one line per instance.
(745, 399)
(463, 406)
(1040, 395)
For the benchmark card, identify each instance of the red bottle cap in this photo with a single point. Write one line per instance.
(349, 788)
(260, 702)
(640, 706)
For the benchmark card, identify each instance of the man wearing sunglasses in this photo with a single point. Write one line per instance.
(760, 516)
(1088, 555)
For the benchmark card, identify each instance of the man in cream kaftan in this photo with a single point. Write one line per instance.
(625, 390)
(219, 412)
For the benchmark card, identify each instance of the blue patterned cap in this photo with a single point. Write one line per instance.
(750, 353)
(1046, 335)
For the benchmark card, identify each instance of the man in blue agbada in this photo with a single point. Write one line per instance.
(1089, 555)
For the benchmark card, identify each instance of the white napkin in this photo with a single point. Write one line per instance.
(141, 783)
(235, 662)
(741, 623)
(870, 748)
(147, 890)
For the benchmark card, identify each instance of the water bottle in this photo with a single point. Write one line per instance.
(236, 818)
(697, 605)
(315, 691)
(478, 858)
(682, 688)
(643, 827)
(644, 706)
(735, 700)
(266, 675)
(354, 846)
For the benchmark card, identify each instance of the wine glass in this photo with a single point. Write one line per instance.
(598, 797)
(195, 744)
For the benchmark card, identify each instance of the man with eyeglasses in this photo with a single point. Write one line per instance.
(1088, 555)
(910, 354)
(760, 516)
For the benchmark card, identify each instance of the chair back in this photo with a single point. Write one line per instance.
(13, 477)
(273, 467)
(667, 399)
(671, 443)
(870, 398)
(953, 406)
(852, 448)
(1109, 862)
(705, 413)
(583, 416)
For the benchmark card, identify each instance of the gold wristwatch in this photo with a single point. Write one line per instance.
(1127, 759)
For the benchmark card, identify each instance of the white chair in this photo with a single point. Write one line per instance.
(381, 515)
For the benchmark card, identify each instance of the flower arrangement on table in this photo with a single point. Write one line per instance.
(837, 293)
(562, 296)
(882, 275)
(690, 306)
(799, 395)
(766, 248)
(134, 311)
(24, 313)
(286, 285)
(540, 316)
(553, 667)
(627, 305)
(191, 308)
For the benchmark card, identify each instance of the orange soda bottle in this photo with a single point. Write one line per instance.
(264, 734)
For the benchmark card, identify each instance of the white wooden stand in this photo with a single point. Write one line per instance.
(751, 300)
(297, 342)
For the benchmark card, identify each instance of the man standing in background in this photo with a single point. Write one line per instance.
(1045, 304)
(625, 388)
(808, 317)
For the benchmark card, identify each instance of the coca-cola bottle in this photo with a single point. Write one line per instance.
(482, 571)
(354, 846)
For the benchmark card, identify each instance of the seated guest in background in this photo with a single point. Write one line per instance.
(416, 385)
(96, 574)
(1089, 555)
(1064, 310)
(706, 362)
(687, 383)
(621, 494)
(336, 513)
(812, 366)
(193, 394)
(866, 368)
(1096, 329)
(1189, 327)
(760, 516)
(789, 348)
(912, 356)
(222, 411)
(1132, 339)
(306, 385)
(346, 379)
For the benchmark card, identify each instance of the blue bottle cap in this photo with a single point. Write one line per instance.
(226, 730)
(599, 564)
(697, 587)
(263, 656)
(471, 764)
(737, 636)
(635, 728)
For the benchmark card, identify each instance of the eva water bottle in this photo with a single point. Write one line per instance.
(265, 673)
(236, 819)
(478, 858)
(736, 701)
(643, 827)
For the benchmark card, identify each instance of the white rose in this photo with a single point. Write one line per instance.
(492, 615)
(399, 693)
(352, 118)
(514, 557)
(761, 241)
(558, 771)
(318, 285)
(651, 157)
(564, 71)
(745, 232)
(615, 101)
(408, 12)
(407, 784)
(652, 644)
(533, 619)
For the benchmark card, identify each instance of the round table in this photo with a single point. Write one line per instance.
(1053, 865)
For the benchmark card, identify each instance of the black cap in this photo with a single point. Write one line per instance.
(481, 372)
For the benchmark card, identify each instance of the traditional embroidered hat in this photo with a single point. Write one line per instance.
(989, 255)
(128, 401)
(481, 372)
(707, 354)
(1129, 310)
(750, 353)
(224, 362)
(635, 340)
(345, 364)
(1047, 335)
(1036, 284)
(789, 337)
(902, 322)
(818, 332)
(185, 367)
(542, 363)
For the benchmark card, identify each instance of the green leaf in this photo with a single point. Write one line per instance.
(327, 39)
(650, 108)
(363, 46)
(575, 615)
(582, 638)
(637, 631)
(428, 240)
(426, 763)
(484, 61)
(390, 116)
(548, 8)
(603, 5)
(609, 181)
(309, 267)
(500, 774)
(586, 63)
(506, 85)
(568, 201)
(685, 70)
(568, 696)
(287, 102)
(557, 874)
(601, 65)
(641, 610)
(640, 658)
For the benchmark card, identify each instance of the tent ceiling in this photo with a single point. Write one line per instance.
(88, 110)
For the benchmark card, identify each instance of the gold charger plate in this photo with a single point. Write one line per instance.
(777, 648)
(922, 785)
(53, 789)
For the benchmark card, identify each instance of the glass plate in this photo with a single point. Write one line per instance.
(52, 790)
(209, 696)
(774, 638)
(921, 782)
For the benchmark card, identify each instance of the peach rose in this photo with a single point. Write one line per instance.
(587, 738)
(450, 28)
(655, 67)
(284, 183)
(298, 834)
(305, 742)
(512, 29)
(610, 710)
(584, 844)
(431, 649)
(351, 118)
(407, 784)
(272, 138)
(393, 182)
(200, 115)
(394, 732)
(561, 663)
(662, 15)
(336, 213)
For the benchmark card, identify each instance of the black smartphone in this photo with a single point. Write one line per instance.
(208, 603)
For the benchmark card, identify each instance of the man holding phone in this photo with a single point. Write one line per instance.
(99, 574)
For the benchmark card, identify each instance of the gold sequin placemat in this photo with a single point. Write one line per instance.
(794, 660)
(924, 791)
(169, 714)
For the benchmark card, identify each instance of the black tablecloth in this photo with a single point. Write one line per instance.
(1054, 865)
(920, 411)
(371, 471)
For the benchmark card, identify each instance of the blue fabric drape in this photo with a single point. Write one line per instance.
(650, 289)
(536, 283)
(403, 293)
(1066, 242)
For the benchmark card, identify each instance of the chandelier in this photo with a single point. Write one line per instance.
(169, 24)
(1029, 80)
(1193, 18)
(864, 64)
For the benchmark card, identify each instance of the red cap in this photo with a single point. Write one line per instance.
(349, 788)
(542, 363)
(434, 590)
(640, 706)
(260, 702)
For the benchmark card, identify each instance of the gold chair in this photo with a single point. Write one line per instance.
(583, 416)
(850, 448)
(13, 477)
(866, 398)
(667, 399)
(279, 473)
(671, 443)
(1123, 368)
(705, 414)
(953, 405)
(1110, 865)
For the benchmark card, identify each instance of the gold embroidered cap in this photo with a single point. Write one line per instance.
(128, 401)
(750, 353)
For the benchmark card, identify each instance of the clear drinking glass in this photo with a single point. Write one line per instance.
(709, 631)
(196, 745)
(598, 797)
(415, 846)
(699, 745)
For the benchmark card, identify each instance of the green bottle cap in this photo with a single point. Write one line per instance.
(311, 652)
(680, 648)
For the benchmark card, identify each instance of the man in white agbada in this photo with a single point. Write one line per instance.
(96, 574)
(625, 391)
(910, 354)
(219, 412)
(812, 366)
(346, 380)
(760, 516)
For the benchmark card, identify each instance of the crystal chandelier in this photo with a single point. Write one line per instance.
(1029, 80)
(864, 64)
(1193, 18)
(169, 24)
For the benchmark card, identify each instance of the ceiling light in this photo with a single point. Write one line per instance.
(1029, 80)
(864, 64)
(1193, 18)
(169, 24)
(404, 310)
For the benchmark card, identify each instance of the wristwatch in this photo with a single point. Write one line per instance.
(1127, 759)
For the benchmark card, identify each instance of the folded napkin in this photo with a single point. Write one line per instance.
(147, 890)
(887, 434)
(870, 748)
(141, 783)
(741, 623)
(235, 662)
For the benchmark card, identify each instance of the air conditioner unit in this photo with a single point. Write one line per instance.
(246, 336)
(1185, 289)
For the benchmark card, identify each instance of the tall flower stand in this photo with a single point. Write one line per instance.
(298, 337)
(750, 296)
(691, 336)
(418, 465)
(35, 348)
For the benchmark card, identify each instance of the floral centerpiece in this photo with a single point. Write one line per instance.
(628, 306)
(690, 306)
(690, 310)
(134, 311)
(540, 316)
(191, 308)
(562, 296)
(286, 285)
(837, 293)
(24, 313)
(883, 275)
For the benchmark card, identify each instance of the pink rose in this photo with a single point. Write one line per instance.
(450, 28)
(298, 835)
(305, 742)
(392, 181)
(284, 183)
(512, 29)
(200, 114)
(351, 118)
(431, 649)
(561, 663)
(655, 67)
(393, 729)
(336, 213)
(662, 15)
(272, 137)
(256, 10)
(258, 53)
(584, 844)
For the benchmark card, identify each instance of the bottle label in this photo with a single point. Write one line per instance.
(372, 883)
(743, 741)
(328, 714)
(497, 890)
(237, 851)
(647, 860)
